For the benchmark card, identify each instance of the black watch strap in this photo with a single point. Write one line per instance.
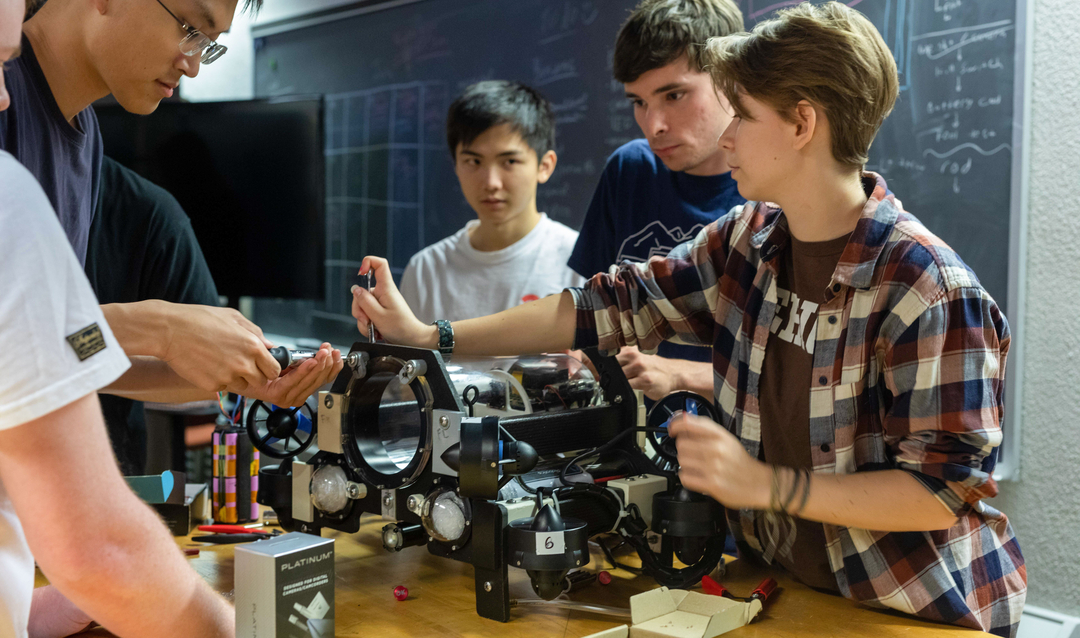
(446, 338)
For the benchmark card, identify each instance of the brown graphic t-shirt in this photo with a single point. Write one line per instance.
(805, 272)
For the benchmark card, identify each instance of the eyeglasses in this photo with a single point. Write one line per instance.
(196, 41)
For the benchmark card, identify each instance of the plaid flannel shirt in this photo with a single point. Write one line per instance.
(909, 368)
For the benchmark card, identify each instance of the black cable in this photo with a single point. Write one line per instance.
(611, 558)
(603, 448)
(679, 578)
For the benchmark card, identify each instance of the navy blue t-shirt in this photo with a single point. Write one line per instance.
(65, 159)
(640, 209)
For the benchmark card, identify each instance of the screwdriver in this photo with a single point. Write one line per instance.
(369, 283)
(287, 358)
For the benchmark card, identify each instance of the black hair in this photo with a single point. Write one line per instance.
(253, 6)
(496, 102)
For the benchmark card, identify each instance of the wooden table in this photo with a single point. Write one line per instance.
(441, 599)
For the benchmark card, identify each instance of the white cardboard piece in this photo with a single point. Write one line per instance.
(677, 613)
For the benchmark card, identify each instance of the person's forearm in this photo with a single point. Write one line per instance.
(886, 501)
(696, 376)
(151, 379)
(546, 325)
(118, 564)
(138, 327)
(134, 582)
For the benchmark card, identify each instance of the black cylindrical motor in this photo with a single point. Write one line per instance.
(547, 547)
(689, 519)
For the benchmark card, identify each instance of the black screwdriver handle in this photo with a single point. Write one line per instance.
(281, 355)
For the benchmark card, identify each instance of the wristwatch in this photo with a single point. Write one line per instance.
(446, 338)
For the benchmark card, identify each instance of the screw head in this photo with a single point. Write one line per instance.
(487, 586)
(444, 422)
(493, 464)
(328, 401)
(618, 398)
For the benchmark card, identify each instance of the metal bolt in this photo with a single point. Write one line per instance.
(388, 500)
(578, 563)
(453, 548)
(468, 522)
(663, 531)
(519, 563)
(618, 398)
(444, 422)
(431, 539)
(493, 464)
(328, 401)
(487, 586)
(413, 503)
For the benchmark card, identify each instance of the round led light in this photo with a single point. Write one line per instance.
(329, 489)
(444, 517)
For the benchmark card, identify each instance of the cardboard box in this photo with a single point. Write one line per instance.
(285, 587)
(677, 613)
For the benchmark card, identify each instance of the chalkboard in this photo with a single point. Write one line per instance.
(949, 150)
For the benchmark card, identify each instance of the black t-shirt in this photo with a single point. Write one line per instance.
(141, 247)
(64, 159)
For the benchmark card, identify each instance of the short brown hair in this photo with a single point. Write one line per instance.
(829, 55)
(658, 32)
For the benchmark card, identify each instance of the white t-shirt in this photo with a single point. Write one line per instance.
(48, 318)
(452, 280)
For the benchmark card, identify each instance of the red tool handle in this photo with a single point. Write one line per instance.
(230, 529)
(710, 586)
(765, 589)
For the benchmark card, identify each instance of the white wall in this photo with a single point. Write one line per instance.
(1044, 504)
(230, 77)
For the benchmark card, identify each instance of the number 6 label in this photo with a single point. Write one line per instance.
(548, 543)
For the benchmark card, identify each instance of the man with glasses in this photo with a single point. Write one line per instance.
(73, 53)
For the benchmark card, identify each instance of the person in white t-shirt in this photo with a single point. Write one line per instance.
(108, 556)
(502, 138)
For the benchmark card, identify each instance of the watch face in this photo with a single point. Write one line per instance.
(446, 336)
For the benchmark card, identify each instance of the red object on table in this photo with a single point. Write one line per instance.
(604, 578)
(764, 590)
(712, 587)
(762, 593)
(401, 592)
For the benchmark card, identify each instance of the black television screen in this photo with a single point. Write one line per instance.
(249, 174)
